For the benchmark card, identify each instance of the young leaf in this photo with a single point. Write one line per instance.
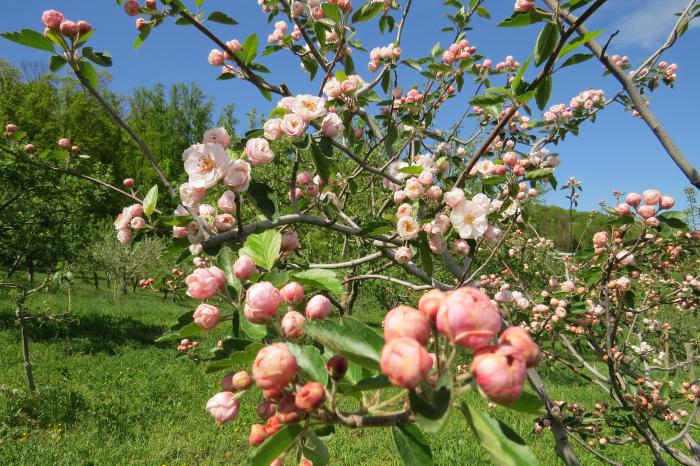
(249, 49)
(412, 445)
(311, 364)
(56, 62)
(323, 164)
(546, 41)
(274, 446)
(544, 92)
(522, 18)
(150, 201)
(29, 38)
(527, 403)
(98, 58)
(322, 279)
(433, 413)
(223, 18)
(225, 260)
(331, 12)
(88, 72)
(315, 450)
(590, 35)
(237, 359)
(349, 337)
(500, 441)
(519, 76)
(254, 331)
(263, 198)
(576, 59)
(263, 248)
(368, 11)
(187, 331)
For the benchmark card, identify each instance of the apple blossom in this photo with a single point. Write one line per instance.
(217, 136)
(407, 228)
(405, 321)
(468, 318)
(403, 255)
(272, 129)
(405, 362)
(318, 307)
(293, 125)
(238, 176)
(332, 125)
(274, 367)
(500, 372)
(258, 152)
(293, 324)
(264, 299)
(310, 397)
(520, 339)
(206, 164)
(309, 107)
(292, 293)
(223, 407)
(469, 219)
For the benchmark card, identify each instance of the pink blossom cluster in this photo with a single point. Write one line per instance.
(654, 201)
(55, 21)
(379, 55)
(459, 51)
(205, 283)
(146, 282)
(413, 96)
(299, 112)
(337, 88)
(669, 71)
(588, 100)
(524, 5)
(278, 33)
(133, 8)
(130, 220)
(187, 345)
(620, 60)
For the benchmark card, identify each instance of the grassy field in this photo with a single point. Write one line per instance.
(109, 395)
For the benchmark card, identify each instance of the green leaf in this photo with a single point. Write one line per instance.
(544, 92)
(321, 161)
(375, 228)
(254, 331)
(56, 62)
(237, 359)
(310, 362)
(29, 38)
(521, 18)
(98, 58)
(538, 174)
(314, 449)
(488, 99)
(412, 445)
(349, 337)
(150, 201)
(574, 43)
(264, 199)
(331, 12)
(323, 279)
(223, 18)
(368, 11)
(143, 35)
(376, 382)
(546, 42)
(263, 248)
(88, 72)
(249, 49)
(528, 403)
(225, 260)
(519, 76)
(504, 446)
(674, 219)
(412, 170)
(433, 411)
(187, 331)
(426, 258)
(278, 278)
(576, 59)
(274, 446)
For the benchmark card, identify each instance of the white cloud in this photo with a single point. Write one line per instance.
(646, 23)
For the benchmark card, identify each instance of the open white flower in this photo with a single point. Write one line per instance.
(309, 107)
(469, 219)
(238, 176)
(408, 228)
(206, 164)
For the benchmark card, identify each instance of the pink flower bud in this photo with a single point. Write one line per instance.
(224, 222)
(124, 236)
(217, 136)
(241, 381)
(633, 199)
(429, 304)
(52, 19)
(257, 435)
(405, 321)
(216, 57)
(310, 397)
(292, 293)
(64, 143)
(151, 4)
(140, 24)
(205, 283)
(137, 223)
(84, 27)
(264, 298)
(468, 318)
(128, 182)
(304, 178)
(290, 241)
(337, 366)
(224, 407)
(652, 222)
(179, 232)
(651, 196)
(500, 372)
(243, 268)
(667, 202)
(434, 193)
(266, 409)
(622, 209)
(461, 246)
(646, 211)
(274, 367)
(287, 411)
(227, 202)
(207, 316)
(403, 255)
(30, 148)
(519, 338)
(405, 362)
(132, 7)
(454, 197)
(293, 324)
(318, 307)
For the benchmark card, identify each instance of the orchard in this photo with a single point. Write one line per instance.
(357, 180)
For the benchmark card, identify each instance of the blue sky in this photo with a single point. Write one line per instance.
(618, 152)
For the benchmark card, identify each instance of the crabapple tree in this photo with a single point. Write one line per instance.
(355, 164)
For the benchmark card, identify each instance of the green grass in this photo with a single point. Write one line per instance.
(109, 395)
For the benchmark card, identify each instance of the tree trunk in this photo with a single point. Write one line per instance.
(30, 270)
(96, 280)
(14, 266)
(25, 349)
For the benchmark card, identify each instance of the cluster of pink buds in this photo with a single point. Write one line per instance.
(278, 34)
(146, 282)
(647, 211)
(187, 345)
(669, 71)
(11, 130)
(620, 61)
(388, 54)
(205, 283)
(508, 65)
(54, 21)
(65, 144)
(337, 89)
(344, 5)
(130, 220)
(299, 112)
(588, 100)
(308, 185)
(459, 51)
(413, 96)
(133, 8)
(524, 5)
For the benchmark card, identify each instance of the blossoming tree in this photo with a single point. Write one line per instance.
(438, 212)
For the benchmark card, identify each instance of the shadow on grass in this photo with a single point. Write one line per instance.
(89, 333)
